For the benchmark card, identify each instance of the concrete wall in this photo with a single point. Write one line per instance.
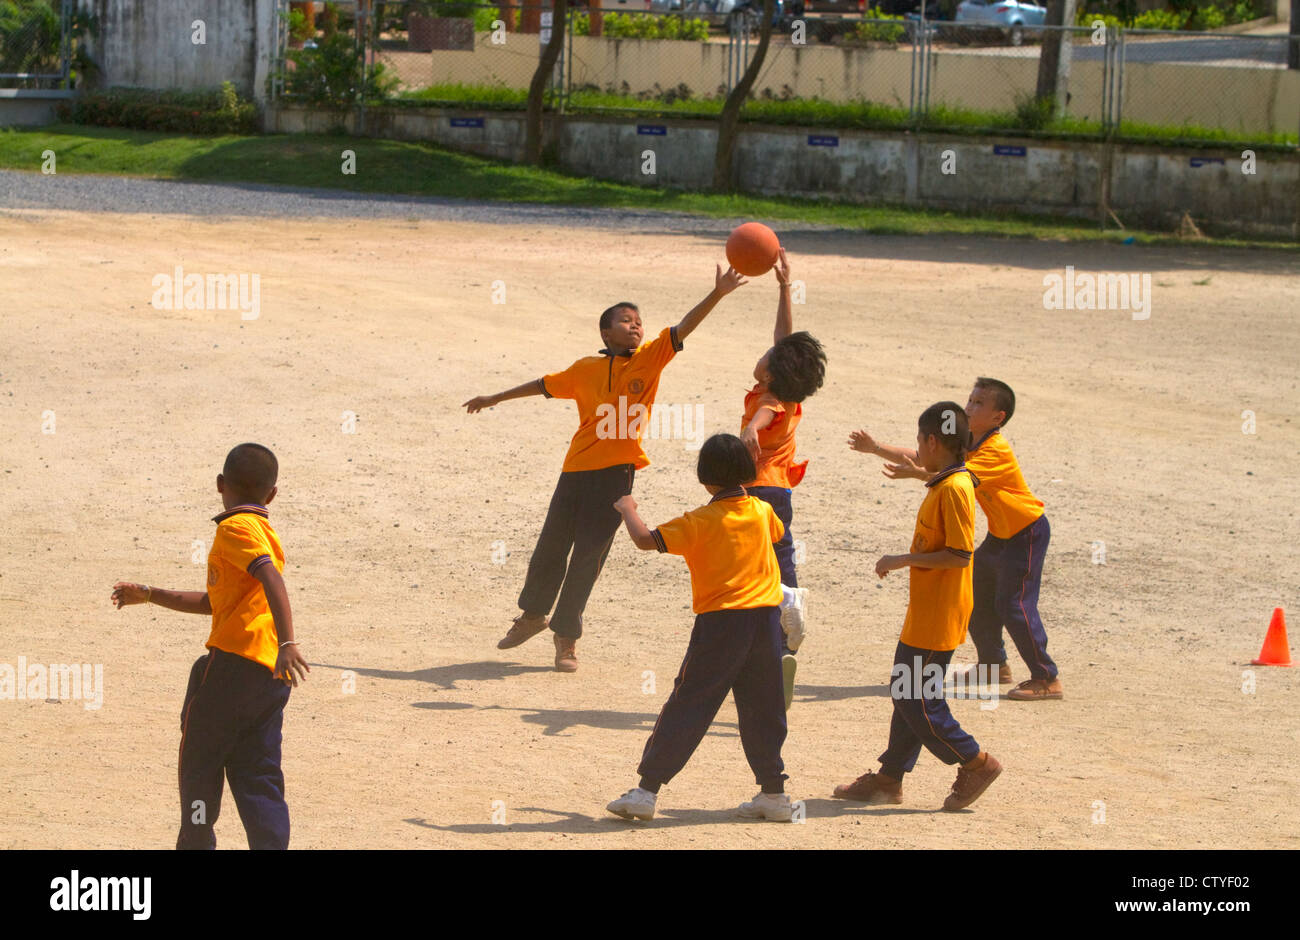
(149, 44)
(1149, 186)
(29, 107)
(1240, 98)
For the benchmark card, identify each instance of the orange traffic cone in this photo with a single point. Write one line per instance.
(1275, 652)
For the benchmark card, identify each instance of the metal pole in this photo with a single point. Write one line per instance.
(1119, 90)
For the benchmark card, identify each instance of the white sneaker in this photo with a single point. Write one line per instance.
(792, 616)
(634, 804)
(775, 807)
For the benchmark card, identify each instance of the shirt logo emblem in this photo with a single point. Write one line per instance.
(213, 576)
(636, 386)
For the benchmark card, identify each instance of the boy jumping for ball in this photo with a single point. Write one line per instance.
(614, 391)
(939, 602)
(792, 370)
(234, 704)
(1009, 562)
(736, 644)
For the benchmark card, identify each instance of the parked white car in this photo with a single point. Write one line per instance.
(1010, 17)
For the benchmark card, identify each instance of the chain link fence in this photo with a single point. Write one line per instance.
(872, 70)
(35, 43)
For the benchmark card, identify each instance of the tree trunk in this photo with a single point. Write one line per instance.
(1054, 63)
(729, 120)
(537, 89)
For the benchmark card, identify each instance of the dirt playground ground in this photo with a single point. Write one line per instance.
(407, 541)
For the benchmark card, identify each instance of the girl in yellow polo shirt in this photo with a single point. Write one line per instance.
(736, 644)
(939, 603)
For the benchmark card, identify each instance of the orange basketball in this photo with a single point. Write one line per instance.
(752, 249)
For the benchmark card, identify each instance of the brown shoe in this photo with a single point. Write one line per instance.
(566, 656)
(971, 783)
(1037, 690)
(524, 628)
(1004, 674)
(871, 788)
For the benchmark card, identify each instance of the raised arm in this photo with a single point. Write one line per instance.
(784, 315)
(186, 602)
(723, 284)
(475, 405)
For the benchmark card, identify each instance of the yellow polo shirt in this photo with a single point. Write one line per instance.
(614, 395)
(940, 599)
(727, 545)
(241, 619)
(1002, 493)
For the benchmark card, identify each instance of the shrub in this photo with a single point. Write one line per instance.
(221, 111)
(879, 32)
(645, 26)
(335, 75)
(1161, 19)
(1033, 113)
(1084, 18)
(1209, 17)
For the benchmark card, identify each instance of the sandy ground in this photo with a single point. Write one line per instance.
(1131, 431)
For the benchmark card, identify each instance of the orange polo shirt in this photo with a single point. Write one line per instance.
(1002, 494)
(727, 545)
(776, 466)
(614, 395)
(241, 620)
(940, 599)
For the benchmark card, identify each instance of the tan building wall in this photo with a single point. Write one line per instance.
(1239, 98)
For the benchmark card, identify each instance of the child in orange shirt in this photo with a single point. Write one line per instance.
(620, 381)
(793, 369)
(234, 705)
(939, 603)
(736, 644)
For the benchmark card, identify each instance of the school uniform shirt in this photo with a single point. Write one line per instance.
(727, 545)
(1002, 494)
(776, 466)
(614, 394)
(940, 599)
(241, 619)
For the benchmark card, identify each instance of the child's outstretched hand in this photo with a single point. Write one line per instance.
(749, 437)
(862, 442)
(906, 468)
(126, 592)
(625, 504)
(290, 665)
(782, 269)
(726, 282)
(475, 405)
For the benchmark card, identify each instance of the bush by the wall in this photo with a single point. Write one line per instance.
(880, 32)
(644, 26)
(220, 111)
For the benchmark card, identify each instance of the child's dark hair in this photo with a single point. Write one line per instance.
(946, 420)
(607, 317)
(798, 367)
(251, 470)
(726, 462)
(1004, 398)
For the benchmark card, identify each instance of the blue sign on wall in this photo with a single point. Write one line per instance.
(654, 130)
(1206, 161)
(823, 140)
(466, 122)
(1007, 150)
